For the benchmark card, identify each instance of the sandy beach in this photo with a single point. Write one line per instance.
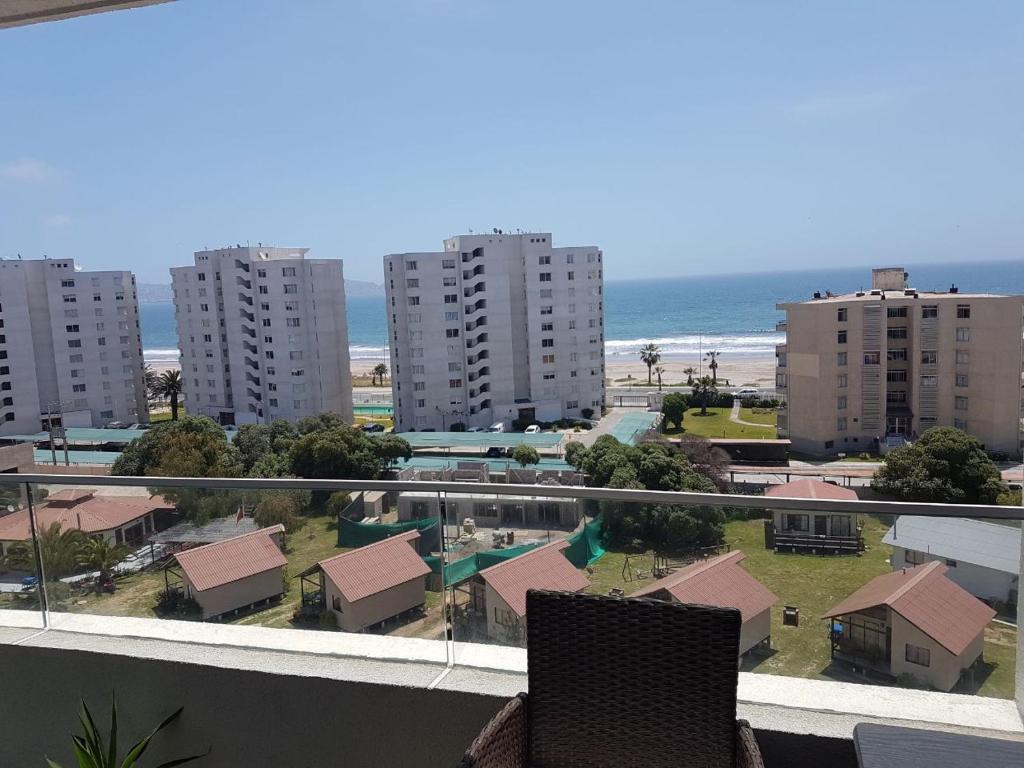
(739, 370)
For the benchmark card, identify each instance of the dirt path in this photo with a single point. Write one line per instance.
(734, 416)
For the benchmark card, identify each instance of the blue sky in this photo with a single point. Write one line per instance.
(681, 137)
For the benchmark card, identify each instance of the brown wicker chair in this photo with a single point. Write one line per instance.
(616, 683)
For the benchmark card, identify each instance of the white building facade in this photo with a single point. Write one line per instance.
(495, 328)
(263, 335)
(69, 344)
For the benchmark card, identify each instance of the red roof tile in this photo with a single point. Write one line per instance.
(927, 599)
(719, 581)
(213, 565)
(95, 514)
(375, 567)
(541, 568)
(809, 488)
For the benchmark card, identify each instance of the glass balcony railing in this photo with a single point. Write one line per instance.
(828, 590)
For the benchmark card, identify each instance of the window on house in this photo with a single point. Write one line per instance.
(841, 381)
(841, 424)
(896, 333)
(542, 260)
(795, 522)
(548, 359)
(897, 354)
(287, 271)
(454, 383)
(963, 357)
(293, 322)
(450, 298)
(896, 312)
(929, 310)
(960, 424)
(961, 379)
(896, 375)
(913, 557)
(963, 334)
(915, 654)
(841, 402)
(411, 265)
(451, 333)
(547, 342)
(841, 337)
(841, 314)
(929, 382)
(963, 311)
(446, 282)
(929, 357)
(447, 263)
(872, 358)
(546, 310)
(960, 403)
(840, 358)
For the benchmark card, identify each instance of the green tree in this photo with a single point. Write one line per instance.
(650, 355)
(254, 442)
(150, 380)
(169, 385)
(712, 356)
(689, 375)
(525, 455)
(944, 465)
(704, 390)
(319, 423)
(674, 406)
(659, 370)
(61, 551)
(574, 453)
(100, 554)
(391, 448)
(277, 508)
(380, 371)
(336, 504)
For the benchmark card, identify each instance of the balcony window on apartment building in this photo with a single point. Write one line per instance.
(963, 334)
(841, 314)
(929, 381)
(898, 354)
(929, 357)
(896, 333)
(448, 264)
(963, 311)
(897, 375)
(841, 337)
(872, 358)
(896, 312)
(896, 396)
(961, 379)
(960, 403)
(929, 311)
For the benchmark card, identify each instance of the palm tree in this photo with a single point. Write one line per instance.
(689, 375)
(103, 556)
(169, 385)
(658, 371)
(150, 380)
(379, 371)
(650, 355)
(703, 390)
(60, 551)
(712, 356)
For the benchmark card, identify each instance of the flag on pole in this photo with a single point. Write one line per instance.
(240, 513)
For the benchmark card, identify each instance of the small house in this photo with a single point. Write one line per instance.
(914, 621)
(982, 557)
(118, 519)
(488, 509)
(499, 592)
(800, 530)
(722, 582)
(370, 585)
(234, 574)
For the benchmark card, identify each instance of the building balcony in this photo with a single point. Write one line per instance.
(781, 327)
(430, 674)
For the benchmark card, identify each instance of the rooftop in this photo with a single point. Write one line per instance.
(970, 541)
(542, 568)
(374, 568)
(217, 529)
(223, 562)
(928, 600)
(719, 581)
(90, 514)
(809, 488)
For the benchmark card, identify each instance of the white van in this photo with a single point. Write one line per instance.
(498, 426)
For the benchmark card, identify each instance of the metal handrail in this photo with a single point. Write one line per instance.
(552, 491)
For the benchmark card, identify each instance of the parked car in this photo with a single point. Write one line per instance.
(28, 583)
(476, 429)
(498, 426)
(140, 425)
(745, 393)
(117, 425)
(533, 429)
(496, 453)
(372, 427)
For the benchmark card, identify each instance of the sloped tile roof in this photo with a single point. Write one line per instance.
(542, 568)
(94, 514)
(375, 567)
(719, 581)
(927, 599)
(213, 565)
(809, 488)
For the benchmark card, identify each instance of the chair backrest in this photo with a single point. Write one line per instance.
(620, 682)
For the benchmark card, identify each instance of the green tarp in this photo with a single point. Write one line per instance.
(353, 534)
(585, 545)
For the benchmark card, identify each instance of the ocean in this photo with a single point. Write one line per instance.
(732, 313)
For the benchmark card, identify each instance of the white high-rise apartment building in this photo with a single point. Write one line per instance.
(882, 366)
(495, 328)
(263, 335)
(69, 342)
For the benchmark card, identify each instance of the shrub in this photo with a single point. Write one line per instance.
(336, 503)
(277, 509)
(458, 426)
(588, 413)
(328, 620)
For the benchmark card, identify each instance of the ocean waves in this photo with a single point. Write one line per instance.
(749, 345)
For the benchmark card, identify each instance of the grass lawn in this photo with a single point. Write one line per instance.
(716, 424)
(766, 416)
(814, 584)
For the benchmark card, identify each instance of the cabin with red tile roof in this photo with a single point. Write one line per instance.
(234, 574)
(499, 592)
(810, 531)
(119, 519)
(722, 582)
(368, 586)
(913, 621)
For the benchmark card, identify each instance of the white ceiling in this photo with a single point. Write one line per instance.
(15, 13)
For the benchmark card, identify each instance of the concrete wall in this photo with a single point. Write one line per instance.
(755, 630)
(495, 605)
(354, 617)
(984, 583)
(238, 594)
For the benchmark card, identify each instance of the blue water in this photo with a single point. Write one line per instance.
(733, 313)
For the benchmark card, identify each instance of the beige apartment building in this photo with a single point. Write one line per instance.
(875, 368)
